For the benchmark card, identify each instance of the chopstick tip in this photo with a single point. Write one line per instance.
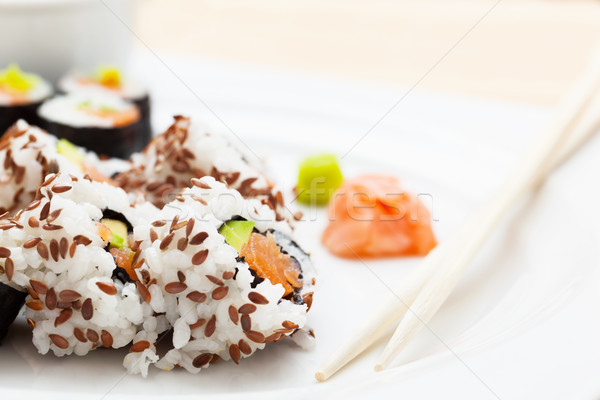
(320, 376)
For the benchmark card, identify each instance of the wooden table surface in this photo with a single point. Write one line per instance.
(527, 51)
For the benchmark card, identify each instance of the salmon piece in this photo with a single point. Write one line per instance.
(264, 256)
(118, 117)
(124, 258)
(371, 216)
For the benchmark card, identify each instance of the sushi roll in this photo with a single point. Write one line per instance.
(28, 154)
(60, 249)
(185, 151)
(99, 122)
(11, 302)
(225, 274)
(20, 96)
(110, 80)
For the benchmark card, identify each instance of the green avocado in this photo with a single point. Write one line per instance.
(70, 152)
(119, 232)
(236, 233)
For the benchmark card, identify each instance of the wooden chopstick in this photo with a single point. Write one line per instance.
(532, 169)
(394, 306)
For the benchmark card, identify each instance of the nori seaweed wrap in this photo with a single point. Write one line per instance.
(20, 96)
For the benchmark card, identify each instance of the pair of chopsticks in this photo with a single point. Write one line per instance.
(427, 288)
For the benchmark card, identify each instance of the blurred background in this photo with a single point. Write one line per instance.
(518, 50)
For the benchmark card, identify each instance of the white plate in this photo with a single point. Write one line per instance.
(529, 272)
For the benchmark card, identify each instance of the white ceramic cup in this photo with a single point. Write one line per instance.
(51, 37)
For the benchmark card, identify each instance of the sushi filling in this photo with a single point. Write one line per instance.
(18, 88)
(90, 110)
(270, 255)
(106, 79)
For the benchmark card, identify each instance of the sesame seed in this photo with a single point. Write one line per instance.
(84, 240)
(33, 293)
(174, 223)
(308, 299)
(33, 205)
(59, 341)
(198, 323)
(199, 238)
(63, 247)
(153, 235)
(199, 257)
(54, 249)
(244, 347)
(9, 268)
(228, 275)
(158, 223)
(182, 244)
(4, 252)
(42, 250)
(87, 309)
(273, 338)
(200, 184)
(51, 299)
(215, 280)
(181, 276)
(69, 295)
(36, 305)
(196, 297)
(166, 241)
(38, 286)
(255, 336)
(72, 249)
(220, 292)
(63, 317)
(92, 335)
(51, 227)
(202, 360)
(53, 215)
(175, 287)
(234, 352)
(257, 298)
(107, 288)
(143, 290)
(78, 333)
(45, 211)
(247, 308)
(31, 323)
(246, 322)
(233, 314)
(189, 227)
(61, 188)
(210, 326)
(107, 339)
(289, 325)
(140, 346)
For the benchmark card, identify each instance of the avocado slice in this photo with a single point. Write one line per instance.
(119, 232)
(236, 233)
(70, 152)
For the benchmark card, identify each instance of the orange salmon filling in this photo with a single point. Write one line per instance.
(16, 97)
(118, 118)
(264, 256)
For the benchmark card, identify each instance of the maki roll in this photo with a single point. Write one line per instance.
(20, 96)
(105, 124)
(59, 249)
(185, 151)
(11, 301)
(110, 80)
(28, 154)
(225, 274)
